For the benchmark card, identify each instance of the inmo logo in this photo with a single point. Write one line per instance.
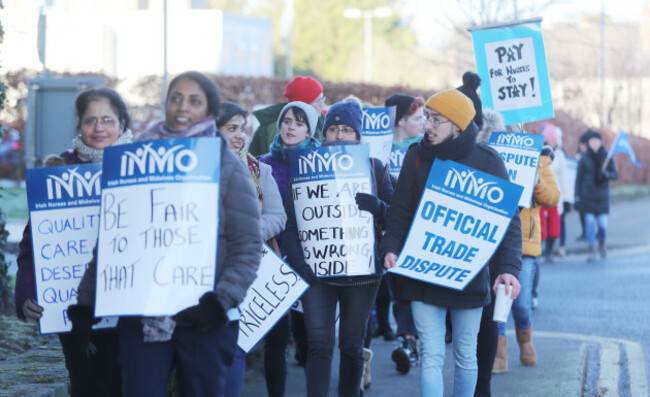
(466, 182)
(375, 121)
(516, 139)
(317, 162)
(87, 184)
(146, 160)
(397, 158)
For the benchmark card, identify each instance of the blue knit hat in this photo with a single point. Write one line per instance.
(345, 113)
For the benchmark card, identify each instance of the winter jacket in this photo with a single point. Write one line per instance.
(545, 194)
(273, 217)
(239, 241)
(408, 191)
(592, 183)
(381, 188)
(268, 129)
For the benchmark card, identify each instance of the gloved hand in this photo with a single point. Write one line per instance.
(370, 203)
(32, 310)
(82, 326)
(207, 315)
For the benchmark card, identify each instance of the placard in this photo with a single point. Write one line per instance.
(274, 291)
(459, 223)
(397, 155)
(159, 222)
(64, 214)
(520, 152)
(336, 237)
(511, 61)
(378, 130)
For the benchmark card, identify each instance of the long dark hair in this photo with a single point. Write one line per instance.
(207, 86)
(94, 94)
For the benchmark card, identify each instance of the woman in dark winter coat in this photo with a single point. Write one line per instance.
(450, 135)
(200, 341)
(102, 121)
(297, 124)
(592, 191)
(354, 294)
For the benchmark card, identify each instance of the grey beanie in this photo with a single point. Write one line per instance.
(312, 116)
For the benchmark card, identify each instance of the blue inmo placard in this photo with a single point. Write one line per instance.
(329, 162)
(161, 161)
(63, 187)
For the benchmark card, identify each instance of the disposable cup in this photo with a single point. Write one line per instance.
(502, 304)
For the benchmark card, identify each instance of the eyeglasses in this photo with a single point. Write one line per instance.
(344, 131)
(104, 121)
(435, 121)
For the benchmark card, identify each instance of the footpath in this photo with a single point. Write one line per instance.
(567, 368)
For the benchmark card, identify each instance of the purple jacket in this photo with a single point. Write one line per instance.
(25, 278)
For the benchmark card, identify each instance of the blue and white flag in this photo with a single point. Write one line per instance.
(511, 61)
(159, 219)
(461, 219)
(337, 238)
(622, 145)
(378, 130)
(520, 153)
(64, 214)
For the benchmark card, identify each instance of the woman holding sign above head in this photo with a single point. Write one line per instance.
(355, 295)
(450, 135)
(297, 125)
(92, 361)
(199, 341)
(231, 124)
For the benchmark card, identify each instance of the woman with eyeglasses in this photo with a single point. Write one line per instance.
(297, 124)
(198, 342)
(231, 124)
(102, 121)
(355, 295)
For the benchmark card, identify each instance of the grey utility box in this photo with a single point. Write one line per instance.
(51, 119)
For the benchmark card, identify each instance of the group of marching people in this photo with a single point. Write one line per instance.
(199, 344)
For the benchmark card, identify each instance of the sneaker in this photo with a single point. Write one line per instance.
(402, 357)
(535, 303)
(591, 255)
(601, 249)
(414, 357)
(561, 251)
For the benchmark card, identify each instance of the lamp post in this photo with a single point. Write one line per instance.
(367, 15)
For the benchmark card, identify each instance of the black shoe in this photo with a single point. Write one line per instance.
(414, 357)
(401, 356)
(389, 335)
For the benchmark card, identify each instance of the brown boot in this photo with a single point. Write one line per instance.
(501, 360)
(527, 355)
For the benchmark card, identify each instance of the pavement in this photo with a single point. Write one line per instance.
(569, 364)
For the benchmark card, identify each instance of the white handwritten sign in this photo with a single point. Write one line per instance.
(337, 238)
(271, 295)
(64, 215)
(460, 221)
(520, 152)
(159, 226)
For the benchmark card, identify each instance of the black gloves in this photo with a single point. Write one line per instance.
(207, 315)
(82, 324)
(370, 203)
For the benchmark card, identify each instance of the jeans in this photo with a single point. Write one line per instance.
(236, 374)
(275, 357)
(319, 305)
(430, 323)
(201, 359)
(486, 350)
(522, 307)
(591, 222)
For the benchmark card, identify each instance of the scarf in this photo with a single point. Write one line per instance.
(254, 169)
(598, 159)
(161, 130)
(281, 153)
(452, 149)
(88, 153)
(407, 142)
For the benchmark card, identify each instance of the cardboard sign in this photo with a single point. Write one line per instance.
(378, 130)
(511, 61)
(159, 222)
(270, 297)
(461, 219)
(336, 237)
(64, 214)
(520, 152)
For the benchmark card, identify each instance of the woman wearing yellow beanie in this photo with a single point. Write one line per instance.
(450, 135)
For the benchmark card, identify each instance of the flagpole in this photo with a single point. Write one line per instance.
(609, 152)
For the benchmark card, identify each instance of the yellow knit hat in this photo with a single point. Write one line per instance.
(454, 105)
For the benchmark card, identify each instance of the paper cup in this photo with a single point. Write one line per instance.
(502, 304)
